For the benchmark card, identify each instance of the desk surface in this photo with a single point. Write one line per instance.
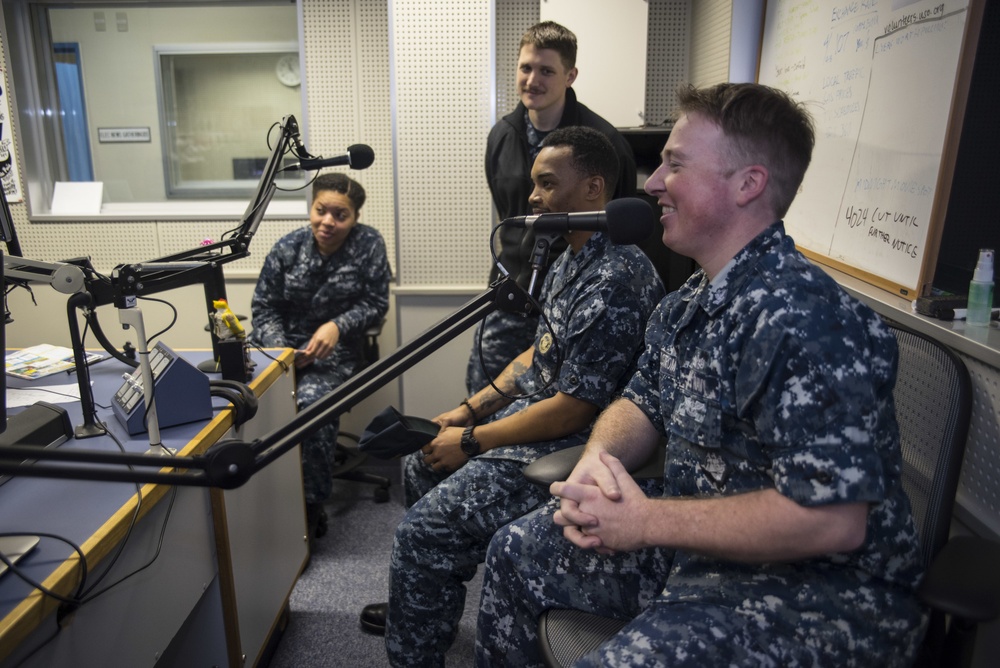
(94, 515)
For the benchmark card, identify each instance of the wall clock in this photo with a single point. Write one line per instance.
(287, 70)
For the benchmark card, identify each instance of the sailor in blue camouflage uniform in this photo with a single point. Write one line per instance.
(546, 70)
(320, 288)
(783, 536)
(469, 481)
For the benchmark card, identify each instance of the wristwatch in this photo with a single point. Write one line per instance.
(470, 444)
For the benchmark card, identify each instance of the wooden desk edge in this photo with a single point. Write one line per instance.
(33, 610)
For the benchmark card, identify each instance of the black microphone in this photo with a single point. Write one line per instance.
(626, 221)
(358, 156)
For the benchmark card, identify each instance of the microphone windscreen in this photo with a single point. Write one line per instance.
(362, 156)
(630, 220)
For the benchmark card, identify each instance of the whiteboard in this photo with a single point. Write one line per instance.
(885, 81)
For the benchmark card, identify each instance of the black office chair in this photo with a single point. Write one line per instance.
(349, 458)
(933, 398)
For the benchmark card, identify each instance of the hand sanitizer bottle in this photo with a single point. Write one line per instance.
(981, 290)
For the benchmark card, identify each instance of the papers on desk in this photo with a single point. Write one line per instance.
(43, 360)
(53, 394)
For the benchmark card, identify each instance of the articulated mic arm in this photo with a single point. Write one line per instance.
(231, 463)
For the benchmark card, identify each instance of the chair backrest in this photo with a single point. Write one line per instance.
(933, 397)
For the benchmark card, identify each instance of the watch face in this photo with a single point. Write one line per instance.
(287, 70)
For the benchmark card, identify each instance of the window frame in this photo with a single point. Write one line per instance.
(226, 189)
(28, 48)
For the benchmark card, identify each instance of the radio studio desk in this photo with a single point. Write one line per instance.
(217, 591)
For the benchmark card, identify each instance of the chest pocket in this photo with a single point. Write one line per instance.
(323, 289)
(695, 402)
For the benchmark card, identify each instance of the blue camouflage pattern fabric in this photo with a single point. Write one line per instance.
(297, 291)
(502, 336)
(597, 304)
(498, 339)
(769, 377)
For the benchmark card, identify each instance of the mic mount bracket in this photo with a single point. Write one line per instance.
(540, 258)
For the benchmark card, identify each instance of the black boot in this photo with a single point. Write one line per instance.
(316, 526)
(373, 618)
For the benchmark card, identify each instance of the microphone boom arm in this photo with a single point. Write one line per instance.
(230, 463)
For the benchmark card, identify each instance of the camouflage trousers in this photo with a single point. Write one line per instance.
(505, 336)
(438, 546)
(318, 450)
(530, 567)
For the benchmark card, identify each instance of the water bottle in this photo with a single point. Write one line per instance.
(980, 306)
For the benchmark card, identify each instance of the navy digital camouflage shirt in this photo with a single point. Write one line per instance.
(597, 302)
(771, 376)
(298, 290)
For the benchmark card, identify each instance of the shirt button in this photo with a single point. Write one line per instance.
(824, 477)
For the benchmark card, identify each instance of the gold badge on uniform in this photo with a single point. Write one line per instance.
(545, 343)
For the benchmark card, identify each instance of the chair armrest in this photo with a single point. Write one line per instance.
(376, 329)
(558, 465)
(964, 580)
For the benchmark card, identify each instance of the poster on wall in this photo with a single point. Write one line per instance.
(8, 159)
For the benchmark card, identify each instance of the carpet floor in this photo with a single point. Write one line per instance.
(348, 570)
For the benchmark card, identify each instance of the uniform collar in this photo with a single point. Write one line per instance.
(716, 294)
(574, 263)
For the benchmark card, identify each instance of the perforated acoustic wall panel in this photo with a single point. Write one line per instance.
(667, 60)
(441, 86)
(513, 17)
(347, 73)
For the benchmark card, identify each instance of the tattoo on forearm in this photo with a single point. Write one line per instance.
(493, 401)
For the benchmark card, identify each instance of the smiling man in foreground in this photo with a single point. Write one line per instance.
(782, 535)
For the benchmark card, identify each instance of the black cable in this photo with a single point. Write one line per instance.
(285, 169)
(546, 384)
(173, 321)
(66, 601)
(49, 391)
(16, 570)
(282, 364)
(85, 594)
(292, 190)
(159, 546)
(132, 522)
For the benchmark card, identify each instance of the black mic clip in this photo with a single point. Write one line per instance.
(540, 259)
(292, 129)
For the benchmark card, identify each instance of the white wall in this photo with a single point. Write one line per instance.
(611, 56)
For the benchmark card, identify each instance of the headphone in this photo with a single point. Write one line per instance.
(242, 398)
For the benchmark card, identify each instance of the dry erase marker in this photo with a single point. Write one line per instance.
(960, 314)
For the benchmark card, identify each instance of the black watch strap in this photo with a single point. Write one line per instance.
(470, 444)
